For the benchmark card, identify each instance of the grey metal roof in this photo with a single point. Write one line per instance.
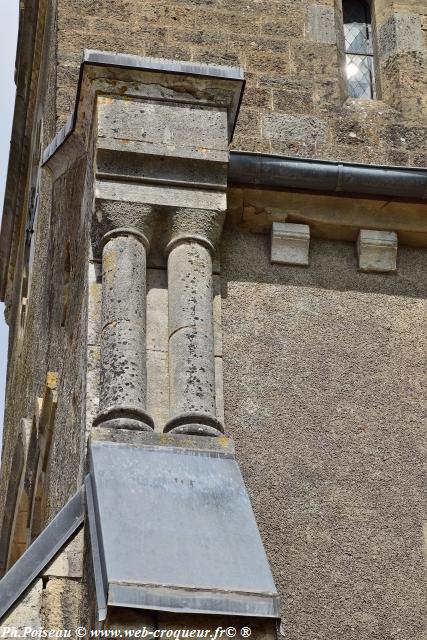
(124, 60)
(173, 530)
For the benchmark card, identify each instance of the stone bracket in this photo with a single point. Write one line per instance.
(377, 251)
(290, 243)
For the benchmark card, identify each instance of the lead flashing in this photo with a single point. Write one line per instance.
(127, 61)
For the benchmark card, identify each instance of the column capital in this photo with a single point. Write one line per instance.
(159, 133)
(115, 218)
(200, 226)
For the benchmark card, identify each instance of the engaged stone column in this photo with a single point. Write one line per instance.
(191, 340)
(123, 358)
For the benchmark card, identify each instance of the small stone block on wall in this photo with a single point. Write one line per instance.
(377, 250)
(290, 243)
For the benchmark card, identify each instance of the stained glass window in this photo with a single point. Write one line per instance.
(358, 49)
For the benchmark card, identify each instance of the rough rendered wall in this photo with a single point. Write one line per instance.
(324, 379)
(295, 101)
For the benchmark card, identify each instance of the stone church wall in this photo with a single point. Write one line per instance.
(295, 100)
(322, 366)
(51, 337)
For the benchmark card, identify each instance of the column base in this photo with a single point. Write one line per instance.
(194, 424)
(124, 417)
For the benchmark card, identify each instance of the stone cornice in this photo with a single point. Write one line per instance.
(330, 216)
(131, 76)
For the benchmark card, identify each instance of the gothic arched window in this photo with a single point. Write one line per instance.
(359, 53)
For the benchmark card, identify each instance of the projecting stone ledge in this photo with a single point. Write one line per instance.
(217, 91)
(377, 251)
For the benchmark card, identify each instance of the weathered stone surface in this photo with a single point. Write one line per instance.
(165, 127)
(401, 32)
(26, 613)
(69, 562)
(219, 389)
(321, 23)
(281, 39)
(164, 196)
(377, 250)
(94, 302)
(216, 289)
(191, 340)
(157, 347)
(205, 223)
(124, 620)
(214, 625)
(62, 603)
(287, 128)
(158, 387)
(329, 215)
(220, 444)
(290, 243)
(123, 383)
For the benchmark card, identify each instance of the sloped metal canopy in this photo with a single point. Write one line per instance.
(41, 552)
(172, 529)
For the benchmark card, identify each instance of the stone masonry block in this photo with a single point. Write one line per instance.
(377, 250)
(62, 603)
(169, 128)
(285, 128)
(290, 243)
(321, 24)
(401, 32)
(94, 302)
(158, 387)
(157, 310)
